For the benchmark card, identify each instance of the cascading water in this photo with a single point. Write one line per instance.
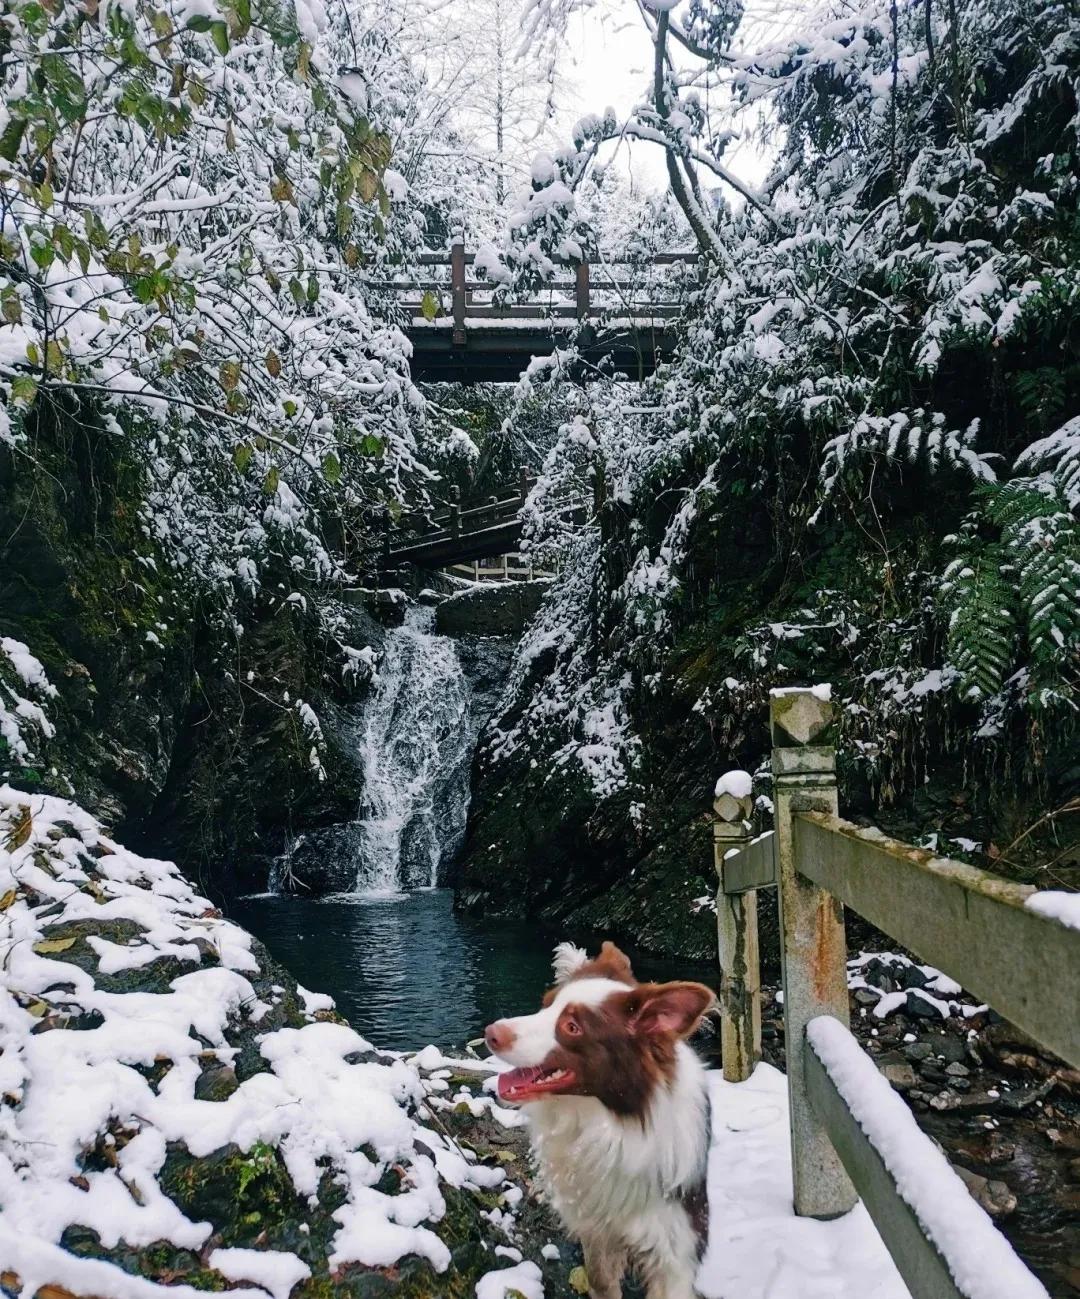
(416, 740)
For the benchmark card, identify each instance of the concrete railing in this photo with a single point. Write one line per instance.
(503, 568)
(973, 926)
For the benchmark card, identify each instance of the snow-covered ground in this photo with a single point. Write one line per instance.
(121, 988)
(758, 1248)
(99, 1078)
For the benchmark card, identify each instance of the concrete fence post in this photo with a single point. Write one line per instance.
(813, 943)
(737, 934)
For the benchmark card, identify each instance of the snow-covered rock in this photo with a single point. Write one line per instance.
(173, 1107)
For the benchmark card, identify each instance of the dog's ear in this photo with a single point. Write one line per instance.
(566, 961)
(613, 963)
(671, 1008)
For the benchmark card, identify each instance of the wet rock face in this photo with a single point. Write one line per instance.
(494, 609)
(180, 734)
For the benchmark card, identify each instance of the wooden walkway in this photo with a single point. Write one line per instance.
(459, 334)
(462, 534)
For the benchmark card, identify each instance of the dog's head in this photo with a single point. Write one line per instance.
(600, 1033)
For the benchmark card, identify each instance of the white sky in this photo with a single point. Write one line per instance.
(607, 62)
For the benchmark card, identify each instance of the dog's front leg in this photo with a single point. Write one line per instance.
(669, 1258)
(605, 1263)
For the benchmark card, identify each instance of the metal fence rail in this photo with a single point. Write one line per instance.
(973, 926)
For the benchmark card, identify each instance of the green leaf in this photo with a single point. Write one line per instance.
(332, 468)
(297, 291)
(219, 34)
(370, 445)
(43, 255)
(229, 374)
(10, 306)
(54, 356)
(23, 389)
(12, 138)
(33, 353)
(312, 288)
(429, 305)
(579, 1280)
(270, 483)
(199, 23)
(242, 456)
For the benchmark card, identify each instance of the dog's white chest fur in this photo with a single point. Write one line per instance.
(611, 1178)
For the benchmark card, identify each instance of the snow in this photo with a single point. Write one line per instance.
(1056, 905)
(524, 1278)
(739, 784)
(822, 692)
(758, 1248)
(982, 1262)
(275, 1271)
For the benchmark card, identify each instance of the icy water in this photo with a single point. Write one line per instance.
(406, 970)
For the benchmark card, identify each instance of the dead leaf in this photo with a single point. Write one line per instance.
(49, 945)
(20, 829)
(579, 1280)
(8, 898)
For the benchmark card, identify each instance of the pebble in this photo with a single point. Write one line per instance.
(994, 1196)
(901, 1076)
(957, 1070)
(918, 1050)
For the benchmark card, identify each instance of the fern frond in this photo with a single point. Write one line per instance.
(982, 619)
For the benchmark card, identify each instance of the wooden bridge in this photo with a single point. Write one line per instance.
(851, 1135)
(617, 321)
(461, 534)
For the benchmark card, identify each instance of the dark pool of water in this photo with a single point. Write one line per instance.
(406, 970)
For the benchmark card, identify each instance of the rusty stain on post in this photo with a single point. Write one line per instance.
(813, 944)
(737, 942)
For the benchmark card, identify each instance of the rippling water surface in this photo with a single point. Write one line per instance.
(405, 970)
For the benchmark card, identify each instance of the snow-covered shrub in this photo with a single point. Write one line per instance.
(192, 198)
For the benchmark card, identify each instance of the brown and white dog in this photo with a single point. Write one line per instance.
(618, 1115)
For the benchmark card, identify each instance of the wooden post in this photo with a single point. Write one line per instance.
(457, 289)
(737, 935)
(523, 483)
(581, 290)
(813, 944)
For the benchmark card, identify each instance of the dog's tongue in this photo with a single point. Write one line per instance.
(516, 1078)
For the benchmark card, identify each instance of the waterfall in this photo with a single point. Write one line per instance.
(416, 739)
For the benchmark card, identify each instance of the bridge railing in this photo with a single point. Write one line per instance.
(851, 1134)
(595, 290)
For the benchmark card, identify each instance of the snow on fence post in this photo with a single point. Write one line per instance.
(813, 944)
(737, 934)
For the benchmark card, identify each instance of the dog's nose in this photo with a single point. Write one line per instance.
(498, 1036)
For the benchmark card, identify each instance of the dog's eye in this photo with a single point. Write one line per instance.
(572, 1028)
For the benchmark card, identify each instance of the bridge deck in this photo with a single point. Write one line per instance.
(615, 323)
